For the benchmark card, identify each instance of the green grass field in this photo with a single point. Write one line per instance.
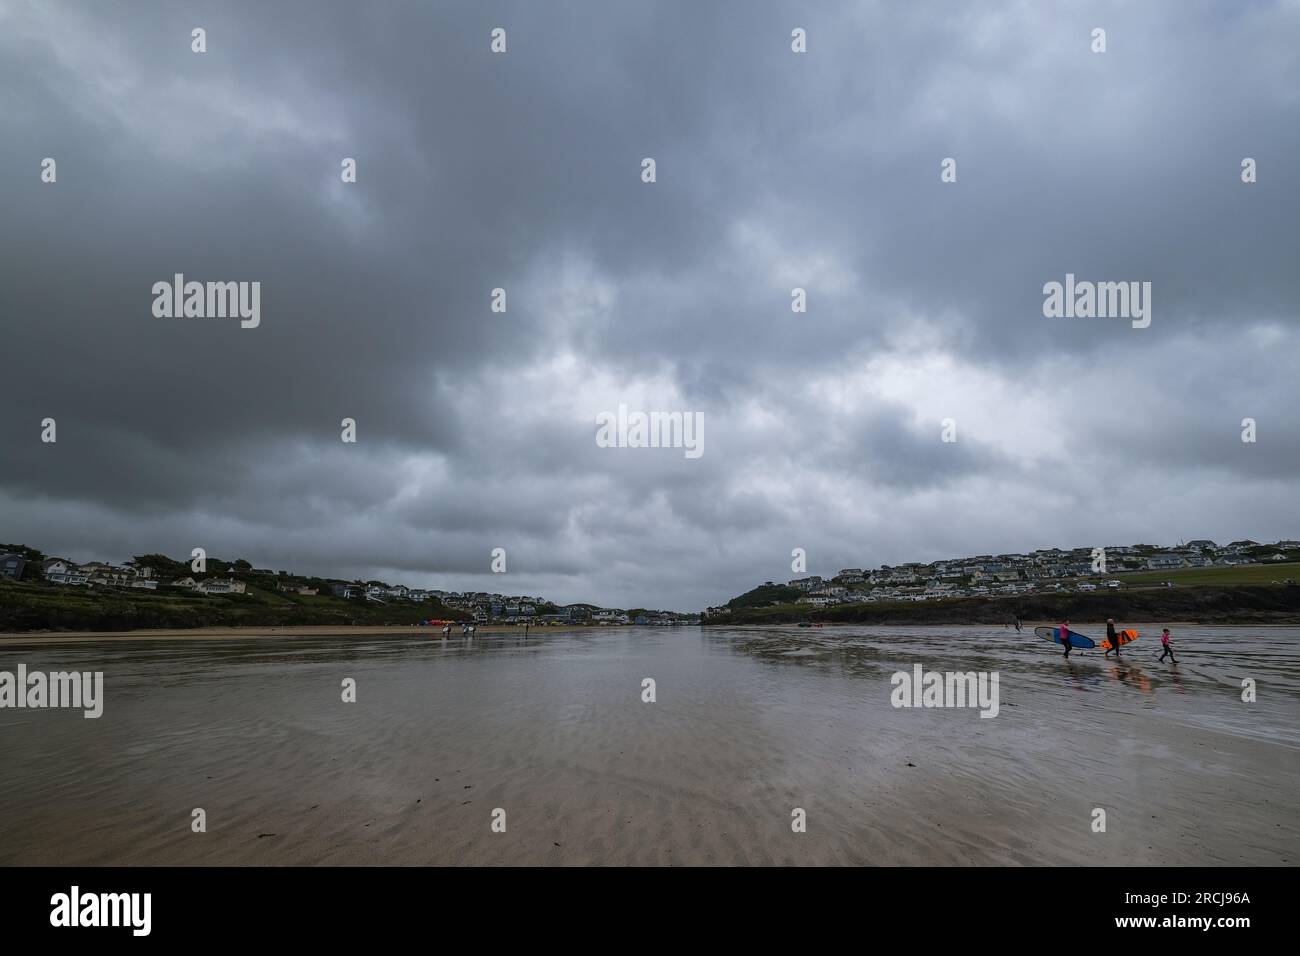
(1249, 574)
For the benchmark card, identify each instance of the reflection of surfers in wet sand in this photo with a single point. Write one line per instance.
(1131, 675)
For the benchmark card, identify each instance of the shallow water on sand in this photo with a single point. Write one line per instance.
(749, 723)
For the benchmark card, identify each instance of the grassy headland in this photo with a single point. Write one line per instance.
(32, 606)
(1249, 594)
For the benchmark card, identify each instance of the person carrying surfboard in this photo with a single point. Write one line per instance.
(1064, 628)
(1168, 647)
(1113, 636)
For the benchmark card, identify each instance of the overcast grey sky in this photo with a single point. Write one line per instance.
(522, 170)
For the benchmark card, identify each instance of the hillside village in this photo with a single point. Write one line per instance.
(159, 574)
(149, 578)
(1044, 571)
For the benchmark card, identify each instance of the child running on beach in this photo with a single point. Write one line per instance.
(1168, 645)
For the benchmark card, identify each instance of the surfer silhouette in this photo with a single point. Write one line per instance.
(1113, 636)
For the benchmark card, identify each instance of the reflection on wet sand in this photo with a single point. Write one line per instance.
(747, 724)
(1131, 675)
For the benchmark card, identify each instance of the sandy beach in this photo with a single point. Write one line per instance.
(748, 725)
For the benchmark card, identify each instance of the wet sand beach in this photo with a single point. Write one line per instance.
(749, 724)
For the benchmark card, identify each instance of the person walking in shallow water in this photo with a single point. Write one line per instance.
(1168, 647)
(1063, 630)
(1113, 636)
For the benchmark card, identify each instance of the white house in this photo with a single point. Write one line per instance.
(59, 571)
(99, 573)
(292, 588)
(221, 586)
(807, 584)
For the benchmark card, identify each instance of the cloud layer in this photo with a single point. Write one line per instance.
(522, 171)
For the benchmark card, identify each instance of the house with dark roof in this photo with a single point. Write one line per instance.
(11, 566)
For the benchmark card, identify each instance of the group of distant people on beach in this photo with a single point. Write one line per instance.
(1112, 636)
(468, 629)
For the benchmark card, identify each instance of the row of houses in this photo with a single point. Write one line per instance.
(933, 590)
(1082, 562)
(1019, 573)
(380, 593)
(665, 619)
(481, 605)
(484, 606)
(98, 574)
(64, 572)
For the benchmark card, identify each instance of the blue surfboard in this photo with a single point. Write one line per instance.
(1053, 634)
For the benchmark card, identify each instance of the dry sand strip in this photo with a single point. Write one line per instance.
(254, 632)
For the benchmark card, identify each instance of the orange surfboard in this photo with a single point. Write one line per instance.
(1125, 637)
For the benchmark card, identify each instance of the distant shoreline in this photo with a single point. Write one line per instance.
(253, 632)
(435, 633)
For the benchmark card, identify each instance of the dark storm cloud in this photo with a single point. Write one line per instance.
(522, 171)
